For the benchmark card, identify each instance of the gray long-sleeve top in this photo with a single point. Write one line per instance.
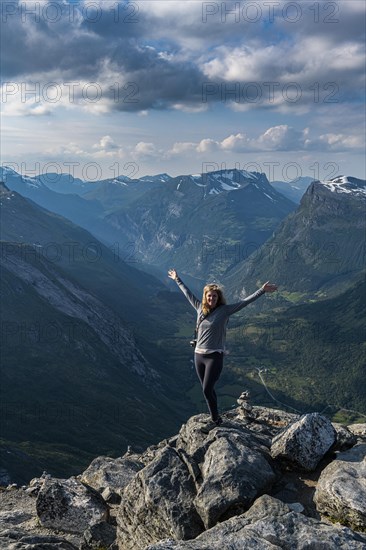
(212, 330)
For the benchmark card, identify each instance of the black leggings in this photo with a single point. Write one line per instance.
(209, 367)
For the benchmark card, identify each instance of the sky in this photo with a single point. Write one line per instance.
(104, 88)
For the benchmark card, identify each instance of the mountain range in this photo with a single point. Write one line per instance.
(207, 221)
(319, 249)
(89, 319)
(79, 331)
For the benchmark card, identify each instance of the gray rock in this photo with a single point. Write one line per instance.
(70, 506)
(345, 438)
(358, 429)
(158, 503)
(111, 497)
(18, 539)
(305, 442)
(296, 507)
(14, 517)
(100, 535)
(192, 440)
(268, 525)
(341, 489)
(274, 417)
(234, 474)
(195, 443)
(112, 473)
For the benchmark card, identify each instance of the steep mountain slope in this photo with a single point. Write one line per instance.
(59, 196)
(319, 248)
(79, 331)
(86, 261)
(201, 224)
(310, 356)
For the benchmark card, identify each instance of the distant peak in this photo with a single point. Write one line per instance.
(346, 184)
(157, 177)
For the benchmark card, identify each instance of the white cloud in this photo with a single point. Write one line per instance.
(107, 143)
(238, 143)
(180, 148)
(146, 151)
(207, 146)
(277, 138)
(282, 138)
(339, 142)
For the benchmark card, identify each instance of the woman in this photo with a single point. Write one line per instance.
(212, 317)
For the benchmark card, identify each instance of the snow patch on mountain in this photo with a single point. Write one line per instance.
(119, 182)
(271, 198)
(227, 187)
(342, 184)
(158, 177)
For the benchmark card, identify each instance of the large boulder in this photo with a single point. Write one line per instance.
(110, 473)
(341, 489)
(195, 443)
(305, 442)
(158, 503)
(268, 525)
(69, 505)
(234, 473)
(206, 479)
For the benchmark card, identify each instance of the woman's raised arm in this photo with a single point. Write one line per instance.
(187, 293)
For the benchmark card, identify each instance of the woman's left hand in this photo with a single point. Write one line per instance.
(269, 287)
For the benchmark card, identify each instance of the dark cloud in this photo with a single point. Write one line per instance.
(160, 55)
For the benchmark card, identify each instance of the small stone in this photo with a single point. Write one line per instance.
(296, 507)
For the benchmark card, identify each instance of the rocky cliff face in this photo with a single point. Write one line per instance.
(320, 246)
(250, 483)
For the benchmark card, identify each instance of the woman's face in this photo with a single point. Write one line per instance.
(212, 298)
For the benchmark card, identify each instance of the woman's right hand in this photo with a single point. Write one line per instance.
(173, 274)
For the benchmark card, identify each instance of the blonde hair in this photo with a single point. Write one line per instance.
(212, 287)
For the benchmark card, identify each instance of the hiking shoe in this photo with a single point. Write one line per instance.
(211, 425)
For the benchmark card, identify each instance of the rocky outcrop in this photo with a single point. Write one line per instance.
(17, 539)
(341, 489)
(269, 525)
(158, 503)
(305, 442)
(197, 491)
(109, 476)
(234, 470)
(69, 505)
